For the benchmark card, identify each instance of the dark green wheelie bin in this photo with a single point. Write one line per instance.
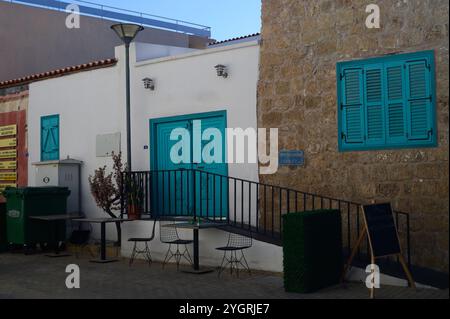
(21, 203)
(3, 242)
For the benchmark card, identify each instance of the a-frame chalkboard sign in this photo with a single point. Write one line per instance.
(379, 226)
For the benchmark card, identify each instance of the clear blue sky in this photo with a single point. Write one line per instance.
(227, 18)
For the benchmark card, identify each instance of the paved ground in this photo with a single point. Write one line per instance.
(38, 277)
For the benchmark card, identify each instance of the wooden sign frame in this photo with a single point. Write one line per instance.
(373, 258)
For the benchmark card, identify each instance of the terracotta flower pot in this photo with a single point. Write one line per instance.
(134, 212)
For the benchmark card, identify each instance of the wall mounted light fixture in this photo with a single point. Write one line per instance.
(149, 84)
(222, 70)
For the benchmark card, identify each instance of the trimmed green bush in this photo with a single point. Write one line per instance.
(312, 247)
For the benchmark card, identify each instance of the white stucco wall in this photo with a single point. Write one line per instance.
(88, 104)
(188, 84)
(92, 103)
(146, 51)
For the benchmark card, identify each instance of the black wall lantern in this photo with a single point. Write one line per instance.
(149, 84)
(221, 70)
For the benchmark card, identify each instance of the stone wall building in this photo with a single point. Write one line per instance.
(302, 43)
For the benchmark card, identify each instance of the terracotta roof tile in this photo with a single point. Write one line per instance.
(59, 72)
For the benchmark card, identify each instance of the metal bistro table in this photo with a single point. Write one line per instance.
(103, 221)
(196, 227)
(54, 220)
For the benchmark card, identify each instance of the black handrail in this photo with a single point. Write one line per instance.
(247, 205)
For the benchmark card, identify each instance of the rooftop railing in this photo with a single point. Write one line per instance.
(121, 15)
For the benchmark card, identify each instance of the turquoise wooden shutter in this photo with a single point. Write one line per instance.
(373, 95)
(387, 102)
(352, 110)
(50, 138)
(396, 103)
(419, 102)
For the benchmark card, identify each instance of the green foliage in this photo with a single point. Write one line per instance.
(106, 187)
(312, 247)
(135, 192)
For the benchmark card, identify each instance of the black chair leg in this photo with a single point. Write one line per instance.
(246, 266)
(133, 255)
(178, 257)
(222, 268)
(167, 258)
(230, 261)
(234, 262)
(187, 255)
(137, 251)
(148, 255)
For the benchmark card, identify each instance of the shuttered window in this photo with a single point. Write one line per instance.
(387, 102)
(50, 138)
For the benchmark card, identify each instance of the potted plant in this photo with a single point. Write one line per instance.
(106, 188)
(135, 199)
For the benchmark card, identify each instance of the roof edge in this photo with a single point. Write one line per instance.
(58, 72)
(213, 43)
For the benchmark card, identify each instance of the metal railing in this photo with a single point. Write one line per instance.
(121, 15)
(245, 205)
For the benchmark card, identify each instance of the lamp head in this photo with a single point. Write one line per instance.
(127, 31)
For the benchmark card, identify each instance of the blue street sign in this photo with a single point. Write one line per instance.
(292, 158)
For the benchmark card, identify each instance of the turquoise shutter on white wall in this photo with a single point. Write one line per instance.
(374, 106)
(50, 138)
(352, 107)
(396, 103)
(419, 100)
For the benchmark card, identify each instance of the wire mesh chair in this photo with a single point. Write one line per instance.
(145, 251)
(236, 243)
(169, 235)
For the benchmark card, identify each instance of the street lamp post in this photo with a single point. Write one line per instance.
(127, 32)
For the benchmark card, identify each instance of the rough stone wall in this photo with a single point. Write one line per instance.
(302, 41)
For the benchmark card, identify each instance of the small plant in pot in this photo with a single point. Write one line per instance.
(135, 198)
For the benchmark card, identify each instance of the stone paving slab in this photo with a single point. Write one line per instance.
(39, 277)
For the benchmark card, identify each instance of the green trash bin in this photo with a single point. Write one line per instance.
(3, 242)
(21, 203)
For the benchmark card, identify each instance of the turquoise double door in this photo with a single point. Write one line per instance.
(185, 181)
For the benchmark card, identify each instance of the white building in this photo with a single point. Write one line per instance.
(91, 107)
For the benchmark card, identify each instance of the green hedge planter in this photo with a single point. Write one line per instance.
(312, 247)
